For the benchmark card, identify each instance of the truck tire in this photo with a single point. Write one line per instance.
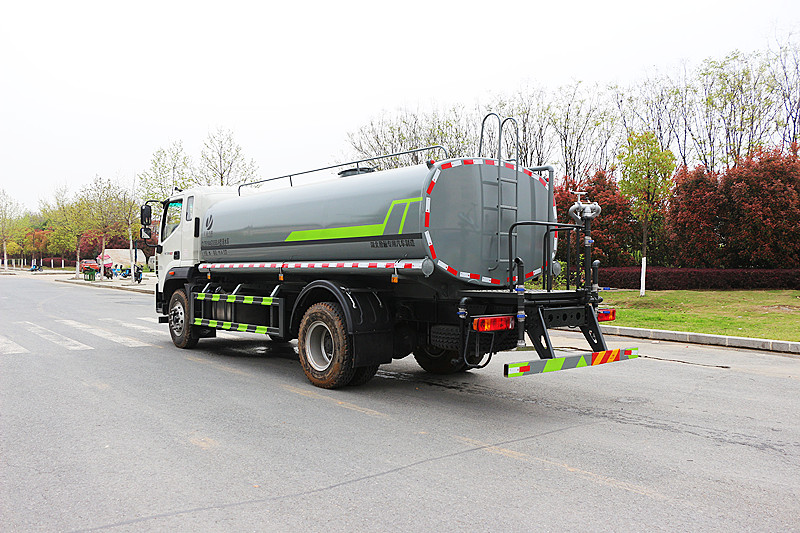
(183, 334)
(438, 360)
(324, 346)
(363, 374)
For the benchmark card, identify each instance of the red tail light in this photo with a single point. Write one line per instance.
(605, 315)
(493, 323)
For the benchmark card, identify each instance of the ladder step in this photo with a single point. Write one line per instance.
(509, 207)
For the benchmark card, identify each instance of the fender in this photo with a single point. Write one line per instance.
(367, 317)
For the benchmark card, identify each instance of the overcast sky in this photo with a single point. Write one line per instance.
(96, 87)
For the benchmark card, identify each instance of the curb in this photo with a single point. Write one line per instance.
(96, 285)
(769, 345)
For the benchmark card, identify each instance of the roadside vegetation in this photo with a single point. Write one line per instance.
(757, 314)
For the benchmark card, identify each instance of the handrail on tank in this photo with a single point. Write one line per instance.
(290, 176)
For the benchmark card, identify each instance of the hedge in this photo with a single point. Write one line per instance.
(661, 278)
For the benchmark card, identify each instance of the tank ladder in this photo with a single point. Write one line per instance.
(507, 204)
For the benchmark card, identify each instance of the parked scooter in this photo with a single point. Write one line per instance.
(137, 273)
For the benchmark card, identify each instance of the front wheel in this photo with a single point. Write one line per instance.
(183, 334)
(324, 346)
(438, 360)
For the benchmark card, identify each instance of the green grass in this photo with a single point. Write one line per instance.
(760, 314)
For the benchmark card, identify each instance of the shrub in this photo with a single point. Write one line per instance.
(660, 278)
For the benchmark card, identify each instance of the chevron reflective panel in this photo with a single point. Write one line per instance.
(540, 366)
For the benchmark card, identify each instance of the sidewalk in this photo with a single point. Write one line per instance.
(148, 286)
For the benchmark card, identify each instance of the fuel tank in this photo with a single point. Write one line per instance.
(455, 212)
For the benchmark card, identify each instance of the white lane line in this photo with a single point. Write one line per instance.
(52, 336)
(131, 325)
(7, 347)
(113, 337)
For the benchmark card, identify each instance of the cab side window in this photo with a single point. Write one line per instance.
(172, 218)
(189, 208)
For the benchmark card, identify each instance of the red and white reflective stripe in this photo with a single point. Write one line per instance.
(367, 264)
(427, 211)
(434, 178)
(452, 164)
(447, 267)
(430, 244)
(531, 274)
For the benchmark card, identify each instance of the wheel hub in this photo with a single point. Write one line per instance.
(319, 348)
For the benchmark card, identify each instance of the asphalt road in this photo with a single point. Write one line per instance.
(104, 425)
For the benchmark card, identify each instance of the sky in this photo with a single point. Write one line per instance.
(95, 88)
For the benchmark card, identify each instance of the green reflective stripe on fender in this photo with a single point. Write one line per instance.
(540, 366)
(349, 232)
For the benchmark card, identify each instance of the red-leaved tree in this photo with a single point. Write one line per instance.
(761, 210)
(693, 221)
(614, 232)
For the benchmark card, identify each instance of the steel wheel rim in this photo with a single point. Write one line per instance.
(319, 346)
(177, 319)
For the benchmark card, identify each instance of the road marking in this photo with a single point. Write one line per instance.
(347, 405)
(8, 347)
(131, 325)
(56, 338)
(113, 337)
(591, 476)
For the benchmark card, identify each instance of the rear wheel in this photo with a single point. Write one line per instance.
(324, 346)
(183, 334)
(363, 374)
(438, 360)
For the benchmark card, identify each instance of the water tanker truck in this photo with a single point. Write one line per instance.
(372, 265)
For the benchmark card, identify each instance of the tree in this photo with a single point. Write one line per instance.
(169, 168)
(646, 171)
(69, 217)
(222, 161)
(9, 222)
(693, 220)
(531, 108)
(742, 97)
(584, 127)
(407, 130)
(760, 211)
(102, 198)
(785, 65)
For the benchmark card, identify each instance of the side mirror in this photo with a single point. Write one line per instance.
(145, 233)
(147, 214)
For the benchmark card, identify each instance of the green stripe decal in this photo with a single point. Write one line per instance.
(235, 298)
(348, 232)
(234, 326)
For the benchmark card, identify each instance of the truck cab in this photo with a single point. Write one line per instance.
(178, 249)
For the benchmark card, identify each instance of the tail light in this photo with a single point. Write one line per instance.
(606, 315)
(493, 323)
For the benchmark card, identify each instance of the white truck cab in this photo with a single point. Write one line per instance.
(181, 226)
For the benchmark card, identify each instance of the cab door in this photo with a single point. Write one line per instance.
(171, 233)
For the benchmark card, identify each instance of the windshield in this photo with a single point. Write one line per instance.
(171, 219)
